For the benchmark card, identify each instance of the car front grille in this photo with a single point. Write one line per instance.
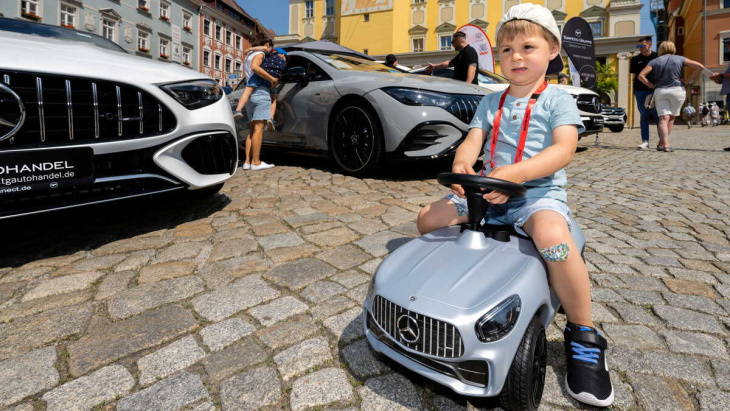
(64, 110)
(589, 103)
(213, 154)
(464, 107)
(437, 338)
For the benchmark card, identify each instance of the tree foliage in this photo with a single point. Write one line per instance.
(606, 79)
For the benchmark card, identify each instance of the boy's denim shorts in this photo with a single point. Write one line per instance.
(515, 212)
(256, 81)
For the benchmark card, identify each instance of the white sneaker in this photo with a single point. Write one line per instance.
(262, 166)
(643, 146)
(237, 115)
(246, 166)
(271, 124)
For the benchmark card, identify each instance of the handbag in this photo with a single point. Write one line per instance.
(649, 102)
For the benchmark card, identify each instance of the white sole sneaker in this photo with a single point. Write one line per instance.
(246, 166)
(589, 399)
(262, 166)
(237, 115)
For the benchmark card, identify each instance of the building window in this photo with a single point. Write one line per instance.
(238, 66)
(108, 28)
(29, 9)
(144, 4)
(725, 4)
(724, 48)
(309, 9)
(238, 42)
(187, 21)
(417, 45)
(206, 58)
(596, 28)
(164, 48)
(164, 11)
(418, 1)
(206, 28)
(229, 64)
(229, 37)
(445, 43)
(365, 51)
(366, 17)
(68, 16)
(218, 30)
(329, 7)
(143, 41)
(217, 62)
(186, 56)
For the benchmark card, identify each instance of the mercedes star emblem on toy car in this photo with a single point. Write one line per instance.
(408, 329)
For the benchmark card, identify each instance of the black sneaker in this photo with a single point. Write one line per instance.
(587, 379)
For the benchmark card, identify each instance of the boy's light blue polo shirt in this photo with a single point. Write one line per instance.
(554, 108)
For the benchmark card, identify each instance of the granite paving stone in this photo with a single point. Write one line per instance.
(239, 295)
(299, 358)
(275, 241)
(220, 335)
(61, 285)
(688, 320)
(344, 257)
(116, 340)
(333, 238)
(320, 388)
(165, 271)
(655, 393)
(251, 390)
(287, 333)
(714, 400)
(87, 392)
(690, 287)
(299, 274)
(634, 336)
(169, 394)
(361, 360)
(135, 261)
(27, 374)
(322, 290)
(24, 309)
(277, 310)
(168, 360)
(694, 302)
(351, 278)
(721, 369)
(219, 274)
(232, 248)
(222, 364)
(34, 331)
(695, 343)
(389, 392)
(641, 297)
(113, 284)
(382, 243)
(676, 366)
(138, 299)
(633, 314)
(346, 326)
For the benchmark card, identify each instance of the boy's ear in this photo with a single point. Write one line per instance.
(554, 52)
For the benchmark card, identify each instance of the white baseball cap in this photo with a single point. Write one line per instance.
(538, 15)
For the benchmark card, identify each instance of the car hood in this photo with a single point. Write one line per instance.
(367, 82)
(436, 268)
(575, 90)
(28, 53)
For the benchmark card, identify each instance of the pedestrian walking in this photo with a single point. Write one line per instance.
(641, 91)
(724, 79)
(669, 92)
(391, 60)
(704, 114)
(715, 114)
(465, 64)
(688, 114)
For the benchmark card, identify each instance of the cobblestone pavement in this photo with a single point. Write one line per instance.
(250, 300)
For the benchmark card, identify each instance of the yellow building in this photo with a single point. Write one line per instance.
(419, 31)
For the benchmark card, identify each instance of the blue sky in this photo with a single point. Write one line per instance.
(273, 14)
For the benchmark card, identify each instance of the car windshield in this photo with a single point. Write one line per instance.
(345, 62)
(62, 33)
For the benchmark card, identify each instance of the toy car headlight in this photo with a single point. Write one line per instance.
(499, 321)
(195, 93)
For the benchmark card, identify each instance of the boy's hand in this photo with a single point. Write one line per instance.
(507, 173)
(461, 168)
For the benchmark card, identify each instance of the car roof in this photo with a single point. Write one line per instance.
(32, 28)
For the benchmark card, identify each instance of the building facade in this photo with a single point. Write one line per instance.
(164, 30)
(226, 31)
(701, 31)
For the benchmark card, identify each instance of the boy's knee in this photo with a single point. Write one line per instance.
(423, 223)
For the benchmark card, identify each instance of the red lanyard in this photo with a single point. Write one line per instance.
(523, 131)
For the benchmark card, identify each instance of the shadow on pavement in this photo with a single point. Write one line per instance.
(63, 232)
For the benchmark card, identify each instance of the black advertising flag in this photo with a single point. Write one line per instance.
(578, 44)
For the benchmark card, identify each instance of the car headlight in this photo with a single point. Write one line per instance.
(499, 321)
(414, 97)
(195, 94)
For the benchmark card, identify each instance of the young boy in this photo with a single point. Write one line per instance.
(528, 42)
(275, 65)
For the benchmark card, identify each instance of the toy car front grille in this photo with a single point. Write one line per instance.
(464, 107)
(64, 110)
(435, 337)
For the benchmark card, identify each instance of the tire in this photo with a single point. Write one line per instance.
(356, 140)
(205, 192)
(616, 129)
(526, 379)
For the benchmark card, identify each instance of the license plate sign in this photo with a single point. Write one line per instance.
(24, 171)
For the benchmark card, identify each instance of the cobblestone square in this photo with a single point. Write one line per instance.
(251, 299)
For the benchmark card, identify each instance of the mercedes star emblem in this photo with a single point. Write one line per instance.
(578, 33)
(408, 329)
(12, 112)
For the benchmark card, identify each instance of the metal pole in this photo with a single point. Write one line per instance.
(704, 31)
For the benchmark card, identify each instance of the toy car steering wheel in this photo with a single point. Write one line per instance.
(474, 188)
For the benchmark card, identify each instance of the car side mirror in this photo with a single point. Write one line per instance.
(228, 90)
(294, 75)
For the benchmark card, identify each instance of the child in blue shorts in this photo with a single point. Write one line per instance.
(534, 154)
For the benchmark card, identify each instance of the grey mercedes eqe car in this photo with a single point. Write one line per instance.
(361, 112)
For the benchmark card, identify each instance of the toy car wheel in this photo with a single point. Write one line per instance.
(526, 379)
(616, 129)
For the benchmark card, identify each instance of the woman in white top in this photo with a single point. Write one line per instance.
(669, 93)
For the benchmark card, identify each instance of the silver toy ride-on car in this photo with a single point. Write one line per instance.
(468, 306)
